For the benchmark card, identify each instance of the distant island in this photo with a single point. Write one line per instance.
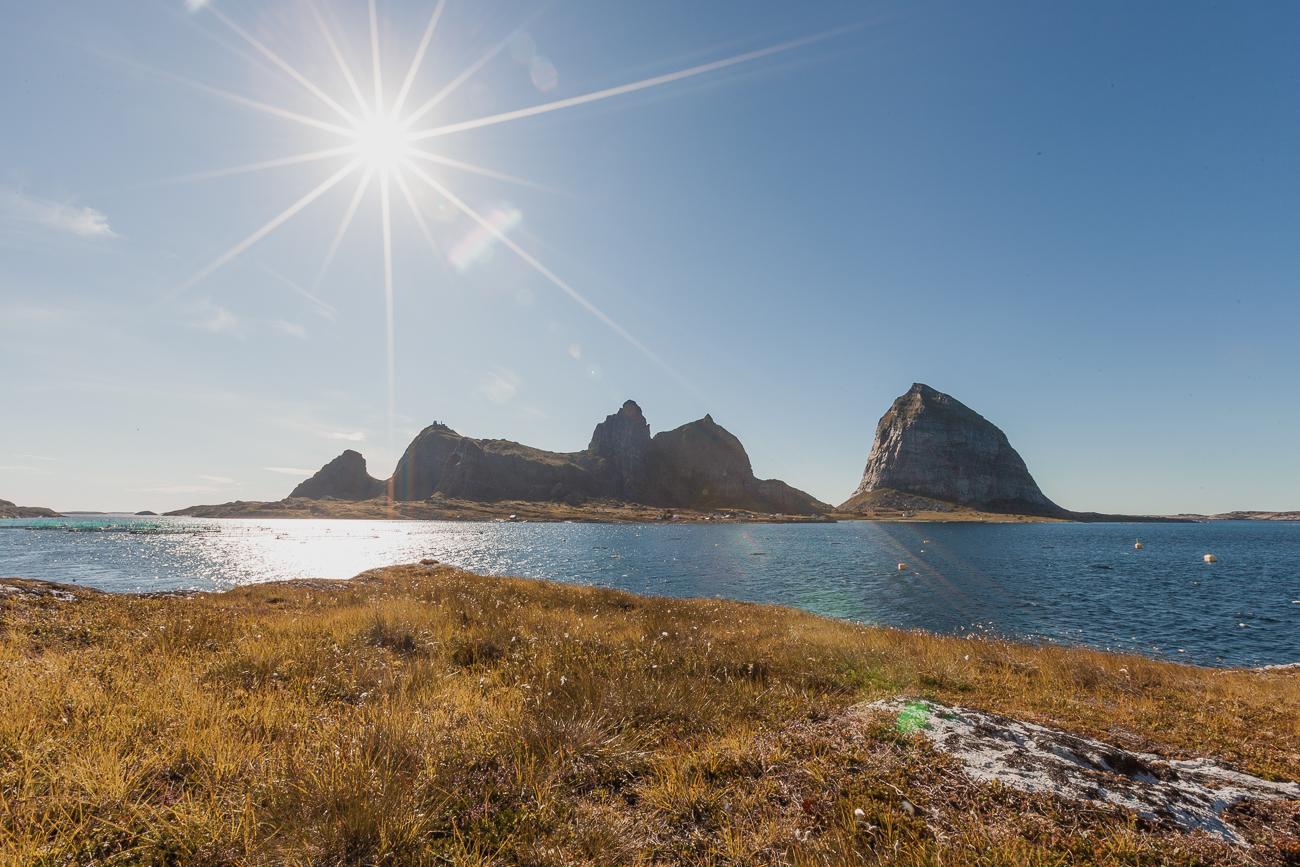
(9, 510)
(1242, 516)
(932, 459)
(699, 471)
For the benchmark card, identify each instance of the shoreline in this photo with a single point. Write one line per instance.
(14, 587)
(491, 716)
(599, 512)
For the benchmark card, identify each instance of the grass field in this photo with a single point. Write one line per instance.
(424, 715)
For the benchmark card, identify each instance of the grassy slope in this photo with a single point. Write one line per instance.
(426, 715)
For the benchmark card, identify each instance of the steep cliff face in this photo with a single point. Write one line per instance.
(699, 465)
(622, 443)
(704, 465)
(344, 478)
(932, 445)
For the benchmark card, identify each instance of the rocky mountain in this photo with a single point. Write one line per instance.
(441, 461)
(931, 445)
(622, 441)
(9, 510)
(699, 465)
(344, 478)
(703, 464)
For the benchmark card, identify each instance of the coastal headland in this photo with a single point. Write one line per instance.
(422, 714)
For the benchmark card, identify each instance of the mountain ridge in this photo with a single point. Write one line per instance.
(699, 466)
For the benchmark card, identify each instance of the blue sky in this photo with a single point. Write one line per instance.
(1080, 219)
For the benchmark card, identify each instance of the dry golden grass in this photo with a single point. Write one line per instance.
(423, 715)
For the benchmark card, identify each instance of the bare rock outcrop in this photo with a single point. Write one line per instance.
(929, 444)
(622, 441)
(1186, 794)
(344, 478)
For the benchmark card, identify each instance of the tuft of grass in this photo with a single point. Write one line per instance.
(421, 714)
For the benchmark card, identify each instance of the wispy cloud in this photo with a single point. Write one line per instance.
(348, 436)
(35, 458)
(293, 329)
(65, 217)
(215, 319)
(218, 480)
(288, 471)
(180, 489)
(19, 468)
(323, 309)
(499, 386)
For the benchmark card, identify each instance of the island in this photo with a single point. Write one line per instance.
(9, 510)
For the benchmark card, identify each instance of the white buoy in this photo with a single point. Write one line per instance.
(1210, 558)
(1137, 546)
(902, 567)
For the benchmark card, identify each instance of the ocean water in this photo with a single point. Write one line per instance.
(1068, 583)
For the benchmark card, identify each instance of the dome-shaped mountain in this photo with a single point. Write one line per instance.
(344, 478)
(702, 464)
(931, 445)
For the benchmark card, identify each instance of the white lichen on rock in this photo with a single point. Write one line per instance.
(1187, 794)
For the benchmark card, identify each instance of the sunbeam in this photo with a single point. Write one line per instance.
(270, 226)
(237, 99)
(378, 65)
(475, 169)
(282, 64)
(337, 53)
(348, 214)
(622, 89)
(380, 138)
(281, 162)
(417, 215)
(550, 275)
(454, 85)
(419, 57)
(389, 318)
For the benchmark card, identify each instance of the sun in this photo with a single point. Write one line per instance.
(382, 142)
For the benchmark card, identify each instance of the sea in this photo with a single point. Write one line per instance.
(1066, 583)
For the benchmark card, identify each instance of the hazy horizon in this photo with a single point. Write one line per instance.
(1078, 220)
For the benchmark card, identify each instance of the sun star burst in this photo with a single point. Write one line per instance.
(381, 142)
